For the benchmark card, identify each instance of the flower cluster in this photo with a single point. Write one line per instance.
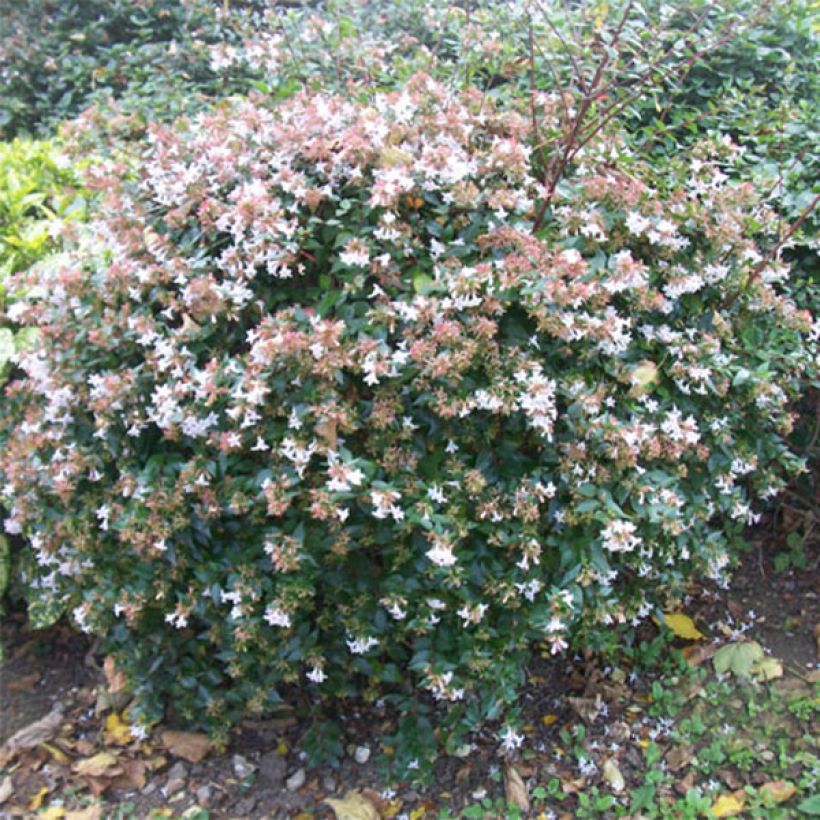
(312, 401)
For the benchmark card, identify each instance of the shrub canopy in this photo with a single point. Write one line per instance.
(312, 404)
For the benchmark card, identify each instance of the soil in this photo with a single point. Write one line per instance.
(780, 610)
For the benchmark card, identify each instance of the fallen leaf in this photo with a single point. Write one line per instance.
(133, 776)
(115, 678)
(353, 806)
(89, 813)
(6, 788)
(117, 731)
(696, 654)
(37, 800)
(612, 775)
(767, 669)
(678, 757)
(515, 789)
(548, 720)
(31, 736)
(52, 813)
(190, 746)
(728, 805)
(682, 626)
(58, 754)
(24, 683)
(587, 708)
(102, 764)
(738, 658)
(778, 790)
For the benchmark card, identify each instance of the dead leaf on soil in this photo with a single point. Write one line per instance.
(729, 805)
(696, 654)
(24, 683)
(89, 813)
(353, 806)
(38, 798)
(190, 746)
(102, 764)
(117, 731)
(114, 677)
(682, 626)
(515, 788)
(778, 790)
(52, 813)
(31, 736)
(612, 775)
(6, 788)
(678, 757)
(587, 708)
(133, 776)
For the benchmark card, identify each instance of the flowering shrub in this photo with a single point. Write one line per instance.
(314, 406)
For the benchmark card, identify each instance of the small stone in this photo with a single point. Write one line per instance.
(245, 806)
(329, 784)
(204, 794)
(149, 788)
(362, 754)
(272, 769)
(242, 767)
(296, 780)
(176, 778)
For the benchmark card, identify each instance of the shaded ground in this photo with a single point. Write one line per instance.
(581, 720)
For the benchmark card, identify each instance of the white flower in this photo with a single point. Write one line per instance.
(510, 739)
(441, 555)
(316, 675)
(619, 536)
(358, 646)
(276, 616)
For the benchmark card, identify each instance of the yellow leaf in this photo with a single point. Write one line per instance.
(58, 754)
(98, 765)
(682, 625)
(53, 813)
(778, 790)
(548, 720)
(354, 806)
(282, 749)
(418, 813)
(728, 805)
(38, 798)
(117, 731)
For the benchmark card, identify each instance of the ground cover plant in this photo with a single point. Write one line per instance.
(364, 383)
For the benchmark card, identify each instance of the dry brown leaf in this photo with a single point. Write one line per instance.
(6, 788)
(89, 813)
(696, 654)
(515, 788)
(31, 736)
(678, 757)
(190, 746)
(587, 708)
(133, 776)
(114, 677)
(353, 806)
(778, 790)
(102, 764)
(25, 683)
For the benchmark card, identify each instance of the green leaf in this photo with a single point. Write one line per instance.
(738, 658)
(811, 805)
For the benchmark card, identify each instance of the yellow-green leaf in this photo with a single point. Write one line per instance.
(682, 625)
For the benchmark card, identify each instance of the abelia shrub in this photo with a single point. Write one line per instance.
(312, 405)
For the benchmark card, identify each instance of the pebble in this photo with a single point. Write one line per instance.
(176, 778)
(272, 769)
(242, 767)
(362, 754)
(329, 784)
(203, 795)
(296, 780)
